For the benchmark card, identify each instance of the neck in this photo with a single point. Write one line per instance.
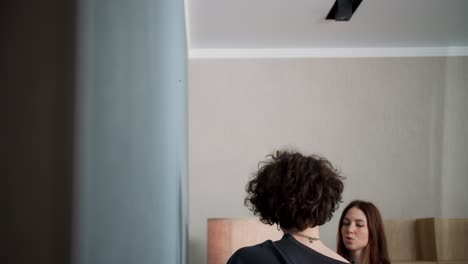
(356, 256)
(312, 232)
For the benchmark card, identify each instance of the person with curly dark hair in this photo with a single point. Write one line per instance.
(298, 194)
(361, 234)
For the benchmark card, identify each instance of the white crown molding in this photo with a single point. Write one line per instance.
(328, 53)
(188, 32)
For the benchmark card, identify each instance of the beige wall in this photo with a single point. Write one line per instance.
(455, 142)
(381, 120)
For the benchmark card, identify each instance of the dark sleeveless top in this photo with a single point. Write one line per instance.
(285, 251)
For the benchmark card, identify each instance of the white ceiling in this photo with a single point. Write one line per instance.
(301, 24)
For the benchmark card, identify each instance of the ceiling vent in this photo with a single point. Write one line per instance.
(343, 10)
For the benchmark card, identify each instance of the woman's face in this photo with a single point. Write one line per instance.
(354, 231)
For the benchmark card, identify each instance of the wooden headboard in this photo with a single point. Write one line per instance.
(410, 241)
(226, 235)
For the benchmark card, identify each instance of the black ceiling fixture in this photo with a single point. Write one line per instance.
(343, 10)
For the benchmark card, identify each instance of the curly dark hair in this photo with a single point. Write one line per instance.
(294, 191)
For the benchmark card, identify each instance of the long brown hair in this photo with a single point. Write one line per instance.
(376, 250)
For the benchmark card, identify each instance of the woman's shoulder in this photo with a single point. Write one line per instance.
(260, 253)
(333, 255)
(318, 253)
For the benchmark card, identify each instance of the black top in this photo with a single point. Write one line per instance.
(285, 251)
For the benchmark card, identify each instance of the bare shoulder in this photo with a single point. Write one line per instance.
(331, 254)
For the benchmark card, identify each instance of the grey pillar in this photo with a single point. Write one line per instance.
(130, 188)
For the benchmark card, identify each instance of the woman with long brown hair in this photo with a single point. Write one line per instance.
(361, 234)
